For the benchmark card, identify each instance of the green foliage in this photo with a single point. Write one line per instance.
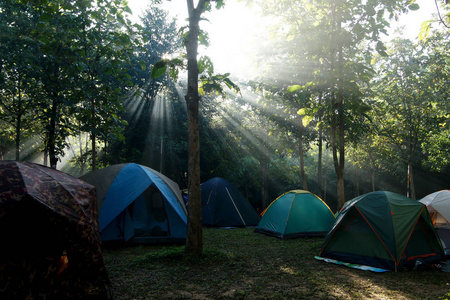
(213, 84)
(79, 54)
(437, 147)
(294, 88)
(442, 20)
(217, 4)
(160, 68)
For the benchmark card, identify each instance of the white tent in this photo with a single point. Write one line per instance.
(438, 205)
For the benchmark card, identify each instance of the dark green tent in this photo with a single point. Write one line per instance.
(384, 230)
(224, 206)
(294, 214)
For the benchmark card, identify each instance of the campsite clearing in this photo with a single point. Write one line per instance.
(240, 264)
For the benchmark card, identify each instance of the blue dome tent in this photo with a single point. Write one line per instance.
(138, 204)
(224, 206)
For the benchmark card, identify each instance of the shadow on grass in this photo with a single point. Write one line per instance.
(177, 255)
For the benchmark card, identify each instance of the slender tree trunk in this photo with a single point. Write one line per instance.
(2, 151)
(372, 171)
(357, 181)
(336, 160)
(338, 125)
(194, 239)
(18, 125)
(410, 182)
(319, 159)
(55, 87)
(46, 152)
(82, 163)
(411, 191)
(325, 171)
(52, 131)
(340, 174)
(264, 163)
(319, 166)
(373, 180)
(94, 124)
(301, 154)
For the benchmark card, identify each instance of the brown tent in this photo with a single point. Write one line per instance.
(49, 232)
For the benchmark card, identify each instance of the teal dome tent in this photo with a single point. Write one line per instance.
(294, 214)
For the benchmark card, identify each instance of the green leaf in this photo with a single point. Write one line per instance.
(159, 69)
(306, 120)
(205, 65)
(293, 88)
(381, 49)
(203, 38)
(424, 30)
(302, 112)
(158, 72)
(414, 6)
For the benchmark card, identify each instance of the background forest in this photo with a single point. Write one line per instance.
(77, 93)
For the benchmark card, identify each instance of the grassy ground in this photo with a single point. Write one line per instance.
(241, 264)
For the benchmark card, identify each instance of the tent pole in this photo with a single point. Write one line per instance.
(242, 219)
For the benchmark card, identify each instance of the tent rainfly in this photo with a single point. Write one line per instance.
(383, 230)
(296, 213)
(138, 205)
(224, 206)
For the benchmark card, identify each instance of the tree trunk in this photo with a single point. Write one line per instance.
(372, 173)
(46, 153)
(319, 159)
(301, 154)
(2, 152)
(411, 191)
(194, 239)
(357, 181)
(52, 132)
(340, 187)
(339, 125)
(325, 171)
(93, 120)
(338, 166)
(264, 162)
(319, 166)
(18, 125)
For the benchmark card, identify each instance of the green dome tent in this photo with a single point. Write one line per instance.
(138, 205)
(383, 230)
(294, 214)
